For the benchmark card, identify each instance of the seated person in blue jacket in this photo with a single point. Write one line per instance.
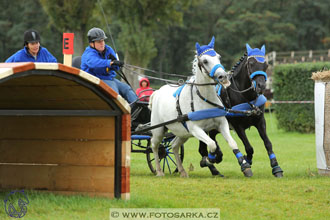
(32, 51)
(101, 61)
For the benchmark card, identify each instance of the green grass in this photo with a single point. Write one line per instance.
(301, 194)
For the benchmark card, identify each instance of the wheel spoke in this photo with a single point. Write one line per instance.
(168, 165)
(172, 160)
(164, 165)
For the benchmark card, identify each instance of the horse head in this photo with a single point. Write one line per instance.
(208, 61)
(256, 67)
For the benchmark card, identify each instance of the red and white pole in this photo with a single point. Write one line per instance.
(68, 48)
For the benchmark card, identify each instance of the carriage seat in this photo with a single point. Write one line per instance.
(76, 62)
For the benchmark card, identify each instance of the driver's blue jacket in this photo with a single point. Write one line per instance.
(98, 64)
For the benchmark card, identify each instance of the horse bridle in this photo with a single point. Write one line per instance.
(213, 70)
(253, 84)
(251, 76)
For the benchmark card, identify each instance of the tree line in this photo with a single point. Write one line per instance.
(161, 34)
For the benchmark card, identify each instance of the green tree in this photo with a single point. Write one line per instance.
(70, 16)
(17, 18)
(311, 17)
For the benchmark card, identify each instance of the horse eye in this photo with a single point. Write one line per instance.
(251, 61)
(205, 61)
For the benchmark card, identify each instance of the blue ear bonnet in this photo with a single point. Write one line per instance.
(206, 49)
(258, 54)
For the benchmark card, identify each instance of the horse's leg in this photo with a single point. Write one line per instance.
(157, 137)
(203, 151)
(245, 166)
(276, 169)
(176, 143)
(248, 147)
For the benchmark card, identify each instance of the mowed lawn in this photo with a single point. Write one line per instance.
(300, 194)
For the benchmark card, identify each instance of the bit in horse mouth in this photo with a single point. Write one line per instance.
(225, 82)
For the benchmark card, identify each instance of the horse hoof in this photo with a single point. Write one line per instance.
(184, 174)
(248, 172)
(217, 174)
(277, 171)
(160, 174)
(278, 175)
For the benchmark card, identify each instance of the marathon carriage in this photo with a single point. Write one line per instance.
(140, 116)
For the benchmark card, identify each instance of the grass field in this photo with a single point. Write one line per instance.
(301, 194)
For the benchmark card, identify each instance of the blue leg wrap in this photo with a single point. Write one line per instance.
(272, 156)
(211, 156)
(239, 154)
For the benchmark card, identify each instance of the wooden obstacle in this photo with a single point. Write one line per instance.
(62, 130)
(322, 120)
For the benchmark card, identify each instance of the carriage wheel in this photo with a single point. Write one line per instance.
(166, 156)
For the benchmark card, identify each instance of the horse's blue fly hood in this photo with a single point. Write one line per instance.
(258, 54)
(206, 49)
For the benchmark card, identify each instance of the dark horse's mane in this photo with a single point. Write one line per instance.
(237, 67)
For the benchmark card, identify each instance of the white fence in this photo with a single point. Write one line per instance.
(274, 58)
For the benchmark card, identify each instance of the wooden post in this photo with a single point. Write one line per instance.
(68, 48)
(274, 57)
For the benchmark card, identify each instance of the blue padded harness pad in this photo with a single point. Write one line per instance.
(245, 106)
(206, 113)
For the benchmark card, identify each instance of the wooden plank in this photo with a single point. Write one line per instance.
(41, 92)
(57, 178)
(57, 128)
(64, 152)
(18, 67)
(125, 180)
(34, 80)
(123, 105)
(91, 104)
(125, 153)
(125, 196)
(68, 69)
(126, 127)
(5, 72)
(66, 99)
(109, 195)
(46, 66)
(38, 92)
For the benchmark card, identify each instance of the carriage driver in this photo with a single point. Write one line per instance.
(101, 61)
(32, 51)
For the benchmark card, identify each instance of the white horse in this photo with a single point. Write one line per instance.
(207, 70)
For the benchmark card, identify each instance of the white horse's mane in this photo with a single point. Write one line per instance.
(194, 65)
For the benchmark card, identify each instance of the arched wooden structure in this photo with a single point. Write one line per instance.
(62, 130)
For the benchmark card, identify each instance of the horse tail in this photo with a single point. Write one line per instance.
(150, 100)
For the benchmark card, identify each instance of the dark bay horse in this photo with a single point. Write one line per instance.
(248, 83)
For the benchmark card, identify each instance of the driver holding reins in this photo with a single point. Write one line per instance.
(100, 60)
